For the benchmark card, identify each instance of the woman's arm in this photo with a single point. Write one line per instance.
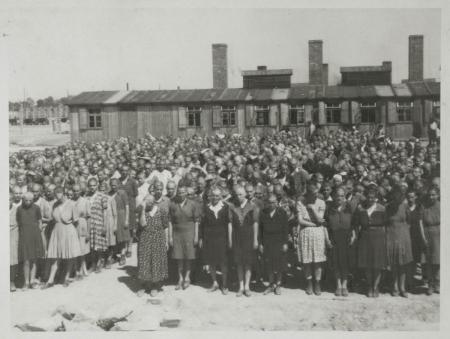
(196, 233)
(422, 233)
(230, 235)
(170, 233)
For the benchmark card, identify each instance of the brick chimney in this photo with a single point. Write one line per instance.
(415, 57)
(315, 61)
(220, 67)
(325, 74)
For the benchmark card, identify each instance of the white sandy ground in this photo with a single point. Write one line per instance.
(111, 293)
(36, 137)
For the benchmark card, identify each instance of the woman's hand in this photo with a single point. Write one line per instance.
(195, 241)
(284, 248)
(171, 242)
(261, 248)
(255, 245)
(200, 243)
(328, 243)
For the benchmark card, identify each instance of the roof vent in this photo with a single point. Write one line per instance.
(262, 68)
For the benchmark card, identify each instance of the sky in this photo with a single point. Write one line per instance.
(58, 51)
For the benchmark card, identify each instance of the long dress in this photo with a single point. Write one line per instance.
(131, 188)
(64, 242)
(152, 254)
(311, 240)
(398, 238)
(183, 219)
(97, 223)
(243, 220)
(414, 218)
(82, 209)
(13, 235)
(339, 223)
(214, 234)
(30, 240)
(372, 238)
(274, 231)
(122, 233)
(110, 219)
(432, 228)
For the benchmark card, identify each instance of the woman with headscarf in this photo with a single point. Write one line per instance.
(431, 235)
(152, 247)
(31, 247)
(369, 223)
(64, 243)
(183, 235)
(398, 241)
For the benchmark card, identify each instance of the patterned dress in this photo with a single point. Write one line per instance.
(110, 219)
(398, 236)
(82, 210)
(152, 253)
(311, 240)
(97, 223)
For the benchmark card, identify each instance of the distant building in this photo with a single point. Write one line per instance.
(267, 102)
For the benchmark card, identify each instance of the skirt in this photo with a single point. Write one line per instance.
(83, 236)
(372, 248)
(122, 233)
(343, 256)
(416, 244)
(399, 249)
(311, 245)
(214, 250)
(152, 256)
(13, 246)
(183, 243)
(64, 242)
(433, 251)
(243, 252)
(275, 260)
(30, 244)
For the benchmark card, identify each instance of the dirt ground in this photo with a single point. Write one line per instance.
(112, 292)
(36, 137)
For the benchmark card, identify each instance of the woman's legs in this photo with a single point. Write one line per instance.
(12, 277)
(247, 277)
(395, 280)
(308, 277)
(224, 269)
(338, 277)
(344, 279)
(212, 272)
(54, 268)
(369, 277)
(180, 266)
(240, 274)
(376, 282)
(402, 280)
(317, 277)
(436, 271)
(187, 276)
(69, 268)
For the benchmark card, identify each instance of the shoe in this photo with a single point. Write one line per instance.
(186, 284)
(153, 293)
(101, 263)
(269, 290)
(338, 292)
(430, 288)
(128, 254)
(240, 293)
(309, 287)
(225, 291)
(437, 288)
(395, 293)
(404, 294)
(12, 287)
(34, 285)
(278, 290)
(140, 293)
(317, 290)
(345, 292)
(247, 293)
(179, 286)
(47, 285)
(376, 293)
(66, 283)
(213, 288)
(122, 260)
(370, 293)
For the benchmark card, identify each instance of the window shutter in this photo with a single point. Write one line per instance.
(182, 119)
(345, 112)
(356, 112)
(284, 114)
(250, 115)
(273, 114)
(392, 112)
(217, 116)
(308, 112)
(84, 118)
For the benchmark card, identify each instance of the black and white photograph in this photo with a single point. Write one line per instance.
(223, 167)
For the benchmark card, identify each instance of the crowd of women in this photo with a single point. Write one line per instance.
(343, 206)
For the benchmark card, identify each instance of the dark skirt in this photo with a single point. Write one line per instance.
(214, 251)
(399, 250)
(342, 254)
(183, 241)
(372, 248)
(122, 233)
(416, 244)
(243, 251)
(274, 258)
(31, 246)
(432, 252)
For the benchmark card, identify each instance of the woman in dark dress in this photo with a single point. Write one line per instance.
(152, 247)
(31, 248)
(244, 238)
(431, 235)
(123, 236)
(369, 223)
(183, 235)
(414, 212)
(215, 237)
(338, 218)
(274, 234)
(398, 241)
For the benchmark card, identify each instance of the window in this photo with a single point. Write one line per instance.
(95, 118)
(368, 112)
(193, 114)
(333, 112)
(297, 114)
(229, 115)
(436, 108)
(404, 110)
(262, 115)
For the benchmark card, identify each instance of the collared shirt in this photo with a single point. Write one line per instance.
(216, 208)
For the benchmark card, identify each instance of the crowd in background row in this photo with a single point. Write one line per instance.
(346, 204)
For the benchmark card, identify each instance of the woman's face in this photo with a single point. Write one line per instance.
(433, 195)
(411, 197)
(339, 197)
(372, 198)
(59, 196)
